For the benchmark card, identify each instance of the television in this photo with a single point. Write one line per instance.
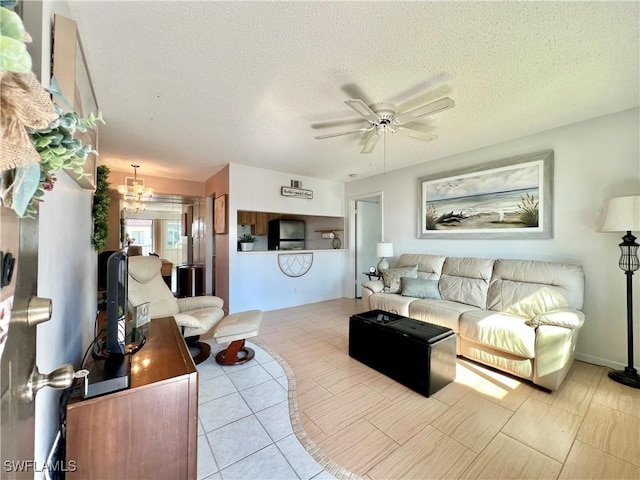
(117, 273)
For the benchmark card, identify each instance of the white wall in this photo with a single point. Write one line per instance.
(255, 280)
(67, 275)
(66, 261)
(594, 160)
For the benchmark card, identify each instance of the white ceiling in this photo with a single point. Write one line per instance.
(187, 87)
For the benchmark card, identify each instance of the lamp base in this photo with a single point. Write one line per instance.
(383, 265)
(629, 377)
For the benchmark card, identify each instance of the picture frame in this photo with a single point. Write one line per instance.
(130, 181)
(72, 76)
(220, 214)
(510, 198)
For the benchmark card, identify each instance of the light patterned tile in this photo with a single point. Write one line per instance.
(358, 446)
(267, 463)
(407, 415)
(618, 396)
(221, 411)
(264, 395)
(336, 412)
(215, 388)
(574, 394)
(473, 421)
(249, 377)
(505, 458)
(237, 440)
(612, 431)
(276, 420)
(428, 451)
(206, 465)
(587, 462)
(301, 461)
(546, 428)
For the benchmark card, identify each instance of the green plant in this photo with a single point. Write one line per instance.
(246, 238)
(13, 51)
(56, 145)
(58, 150)
(528, 212)
(100, 209)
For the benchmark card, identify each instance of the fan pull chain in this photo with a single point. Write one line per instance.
(384, 164)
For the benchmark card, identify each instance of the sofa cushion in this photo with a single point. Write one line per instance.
(439, 312)
(514, 282)
(391, 277)
(466, 280)
(500, 331)
(429, 266)
(391, 302)
(420, 288)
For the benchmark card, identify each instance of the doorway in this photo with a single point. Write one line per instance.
(366, 223)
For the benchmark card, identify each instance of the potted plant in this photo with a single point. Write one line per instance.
(246, 242)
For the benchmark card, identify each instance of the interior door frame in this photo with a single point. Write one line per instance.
(353, 275)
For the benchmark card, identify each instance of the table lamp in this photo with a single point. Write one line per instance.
(622, 214)
(384, 249)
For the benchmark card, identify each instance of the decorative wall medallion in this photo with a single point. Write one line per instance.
(295, 264)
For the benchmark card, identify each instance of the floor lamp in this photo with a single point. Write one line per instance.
(623, 214)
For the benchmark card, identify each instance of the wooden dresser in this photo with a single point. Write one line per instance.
(147, 431)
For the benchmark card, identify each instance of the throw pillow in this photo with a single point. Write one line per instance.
(420, 288)
(391, 277)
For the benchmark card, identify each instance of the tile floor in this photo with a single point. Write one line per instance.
(244, 428)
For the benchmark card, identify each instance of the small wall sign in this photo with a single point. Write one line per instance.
(296, 192)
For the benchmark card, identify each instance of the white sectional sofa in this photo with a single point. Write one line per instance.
(519, 316)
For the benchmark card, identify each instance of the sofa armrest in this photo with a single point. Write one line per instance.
(562, 317)
(374, 286)
(194, 303)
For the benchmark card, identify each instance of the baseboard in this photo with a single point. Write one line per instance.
(600, 361)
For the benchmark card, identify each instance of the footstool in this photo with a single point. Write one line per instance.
(235, 329)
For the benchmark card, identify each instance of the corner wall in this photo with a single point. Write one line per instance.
(594, 160)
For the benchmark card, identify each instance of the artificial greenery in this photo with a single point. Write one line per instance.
(58, 150)
(13, 51)
(100, 209)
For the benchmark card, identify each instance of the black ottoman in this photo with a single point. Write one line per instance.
(420, 355)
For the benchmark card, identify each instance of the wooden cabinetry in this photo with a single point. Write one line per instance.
(259, 221)
(148, 431)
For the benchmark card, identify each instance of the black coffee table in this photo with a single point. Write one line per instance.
(420, 355)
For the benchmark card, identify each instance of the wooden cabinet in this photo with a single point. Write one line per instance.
(246, 218)
(259, 221)
(151, 429)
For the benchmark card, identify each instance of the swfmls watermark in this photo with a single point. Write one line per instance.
(21, 466)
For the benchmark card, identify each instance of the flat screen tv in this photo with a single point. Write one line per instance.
(117, 272)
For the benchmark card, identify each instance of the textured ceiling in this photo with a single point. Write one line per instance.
(187, 87)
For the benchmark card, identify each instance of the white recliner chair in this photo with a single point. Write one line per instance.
(196, 315)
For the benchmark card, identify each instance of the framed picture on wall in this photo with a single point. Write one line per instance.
(220, 214)
(504, 199)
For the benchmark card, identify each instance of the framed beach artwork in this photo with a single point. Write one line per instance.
(505, 199)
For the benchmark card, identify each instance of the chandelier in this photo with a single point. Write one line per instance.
(134, 195)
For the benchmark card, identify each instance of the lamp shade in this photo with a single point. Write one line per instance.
(384, 249)
(621, 214)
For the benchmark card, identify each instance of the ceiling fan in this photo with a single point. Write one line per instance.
(384, 117)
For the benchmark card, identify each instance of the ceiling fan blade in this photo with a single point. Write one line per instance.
(371, 143)
(428, 109)
(361, 108)
(339, 134)
(417, 134)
